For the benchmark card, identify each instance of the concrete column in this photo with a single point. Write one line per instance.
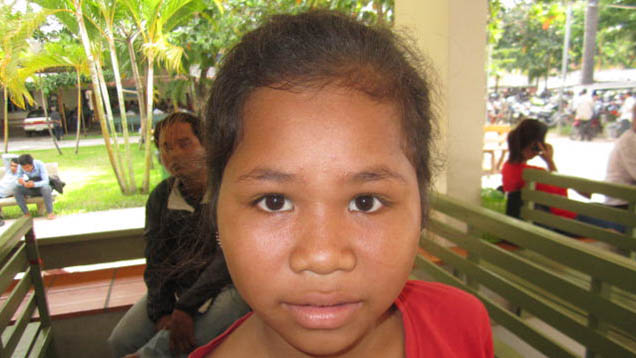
(452, 33)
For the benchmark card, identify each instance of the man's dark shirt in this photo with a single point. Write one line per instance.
(173, 236)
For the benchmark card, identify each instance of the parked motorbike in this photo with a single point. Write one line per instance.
(586, 130)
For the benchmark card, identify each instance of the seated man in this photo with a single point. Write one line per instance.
(9, 181)
(33, 180)
(190, 297)
(621, 166)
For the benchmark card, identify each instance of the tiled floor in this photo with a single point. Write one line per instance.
(72, 294)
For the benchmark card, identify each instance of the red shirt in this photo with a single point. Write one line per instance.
(513, 181)
(439, 321)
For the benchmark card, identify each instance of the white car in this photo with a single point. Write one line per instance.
(36, 122)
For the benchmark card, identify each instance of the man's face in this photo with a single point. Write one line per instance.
(27, 168)
(181, 152)
(14, 167)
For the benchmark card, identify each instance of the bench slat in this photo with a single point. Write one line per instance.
(42, 342)
(500, 315)
(12, 235)
(550, 281)
(20, 325)
(579, 228)
(532, 302)
(23, 334)
(625, 192)
(609, 267)
(619, 216)
(13, 301)
(16, 264)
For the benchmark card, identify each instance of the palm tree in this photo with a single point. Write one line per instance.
(16, 30)
(154, 20)
(94, 67)
(73, 17)
(63, 54)
(110, 13)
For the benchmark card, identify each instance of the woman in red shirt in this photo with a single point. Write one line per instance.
(525, 142)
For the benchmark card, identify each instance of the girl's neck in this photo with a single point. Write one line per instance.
(384, 340)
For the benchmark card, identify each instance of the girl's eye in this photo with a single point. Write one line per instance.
(365, 203)
(275, 203)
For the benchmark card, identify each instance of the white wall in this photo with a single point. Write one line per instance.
(452, 33)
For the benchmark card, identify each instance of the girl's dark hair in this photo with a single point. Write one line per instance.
(525, 134)
(310, 51)
(194, 121)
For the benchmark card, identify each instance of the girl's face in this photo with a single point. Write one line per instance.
(319, 218)
(531, 151)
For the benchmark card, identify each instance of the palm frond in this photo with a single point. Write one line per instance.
(166, 53)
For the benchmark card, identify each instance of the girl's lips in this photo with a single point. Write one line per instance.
(319, 316)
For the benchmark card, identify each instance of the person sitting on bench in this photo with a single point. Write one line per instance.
(525, 142)
(9, 181)
(33, 180)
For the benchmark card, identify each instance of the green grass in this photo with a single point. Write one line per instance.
(565, 130)
(90, 181)
(494, 200)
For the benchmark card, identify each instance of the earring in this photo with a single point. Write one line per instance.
(218, 240)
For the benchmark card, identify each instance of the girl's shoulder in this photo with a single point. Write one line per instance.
(208, 349)
(417, 293)
(443, 321)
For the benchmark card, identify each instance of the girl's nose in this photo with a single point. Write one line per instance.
(323, 246)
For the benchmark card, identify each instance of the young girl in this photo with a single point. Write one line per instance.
(525, 142)
(318, 142)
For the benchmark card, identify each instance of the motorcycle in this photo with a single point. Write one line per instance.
(586, 130)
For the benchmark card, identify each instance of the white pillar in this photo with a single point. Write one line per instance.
(452, 34)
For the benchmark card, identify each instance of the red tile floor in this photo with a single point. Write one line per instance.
(71, 294)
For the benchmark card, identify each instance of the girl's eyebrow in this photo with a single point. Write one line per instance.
(367, 175)
(376, 174)
(267, 174)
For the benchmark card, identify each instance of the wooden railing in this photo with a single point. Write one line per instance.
(581, 291)
(625, 242)
(21, 335)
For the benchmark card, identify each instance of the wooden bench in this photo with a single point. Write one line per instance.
(576, 300)
(21, 334)
(624, 243)
(495, 141)
(51, 169)
(92, 296)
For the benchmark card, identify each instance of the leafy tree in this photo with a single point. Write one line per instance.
(523, 46)
(207, 36)
(617, 33)
(154, 20)
(16, 29)
(533, 38)
(65, 53)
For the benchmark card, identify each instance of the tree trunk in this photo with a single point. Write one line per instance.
(111, 126)
(46, 115)
(140, 87)
(200, 96)
(132, 188)
(79, 111)
(6, 119)
(61, 109)
(148, 129)
(99, 106)
(589, 42)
